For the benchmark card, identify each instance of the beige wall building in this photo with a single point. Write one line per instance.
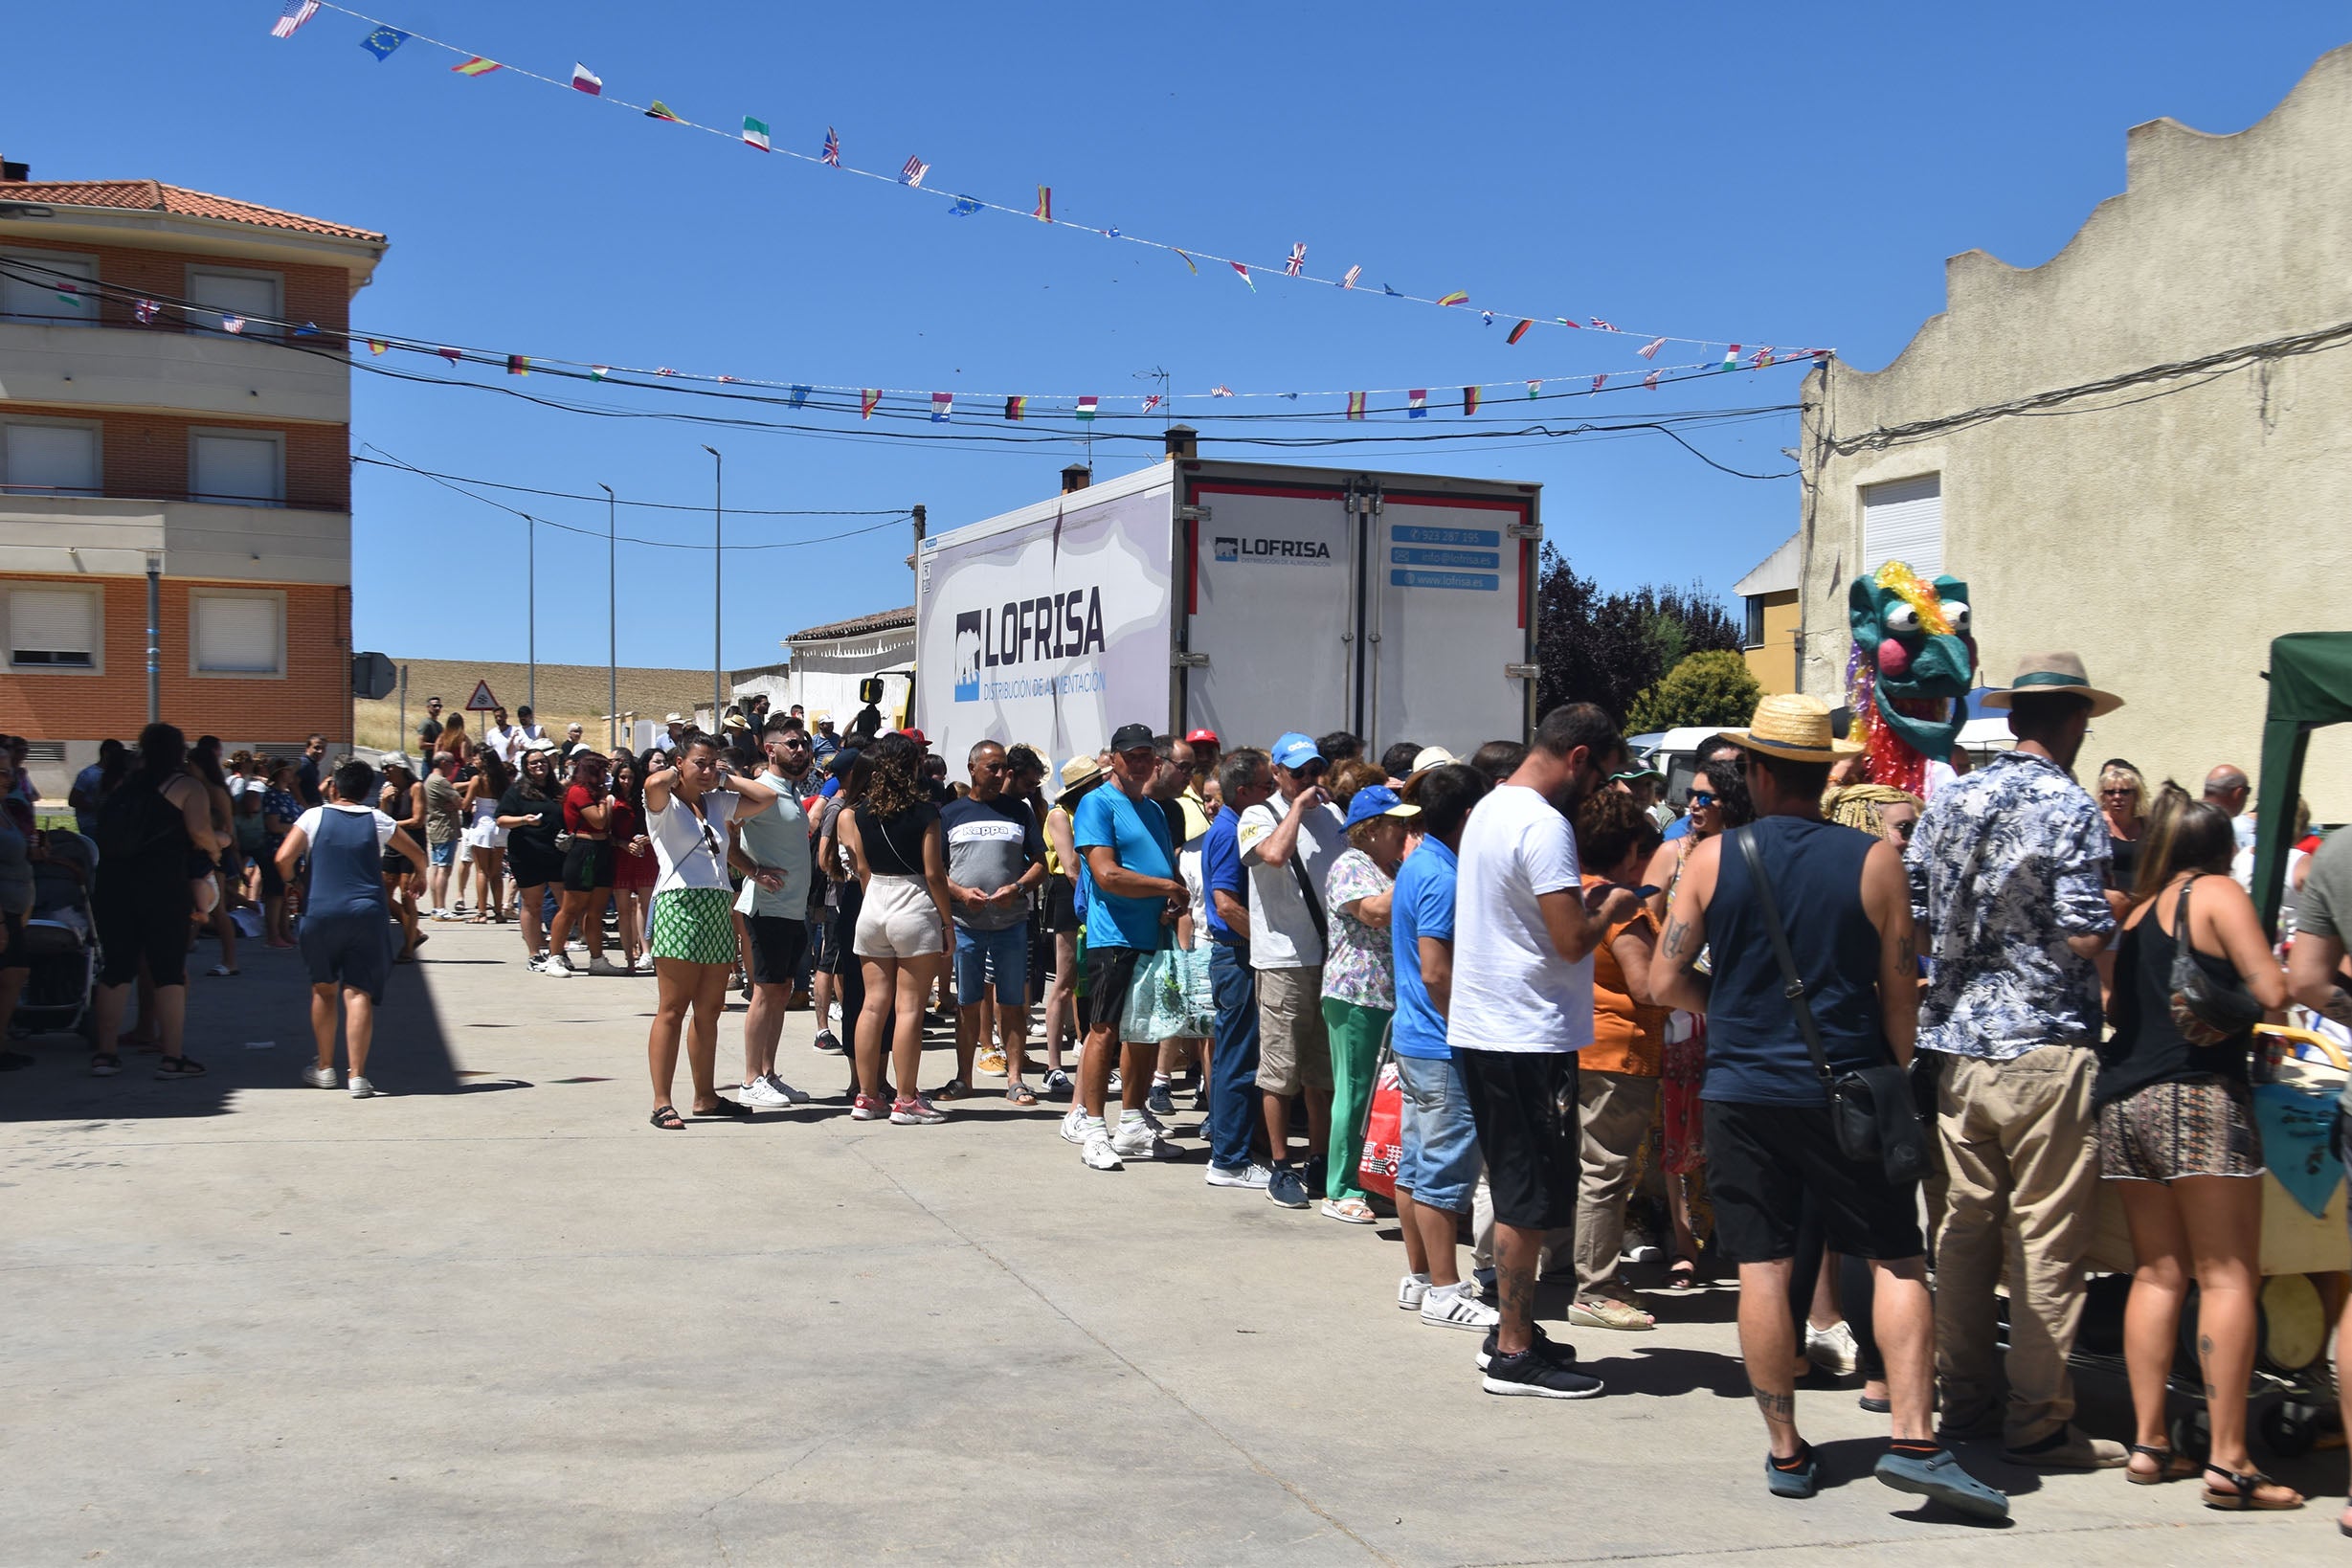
(1774, 622)
(2166, 524)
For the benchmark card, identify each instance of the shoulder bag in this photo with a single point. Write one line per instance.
(2205, 1010)
(1871, 1109)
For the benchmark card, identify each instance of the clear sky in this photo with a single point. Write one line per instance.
(1792, 175)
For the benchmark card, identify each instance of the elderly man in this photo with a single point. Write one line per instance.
(2008, 871)
(2227, 787)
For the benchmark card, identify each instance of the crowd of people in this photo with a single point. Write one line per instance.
(1811, 1029)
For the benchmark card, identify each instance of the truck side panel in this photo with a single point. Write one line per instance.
(1449, 614)
(1271, 584)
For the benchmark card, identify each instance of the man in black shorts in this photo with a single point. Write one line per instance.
(1772, 1154)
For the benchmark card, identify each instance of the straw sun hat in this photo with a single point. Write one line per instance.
(1794, 727)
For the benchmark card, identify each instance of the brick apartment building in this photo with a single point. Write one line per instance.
(171, 425)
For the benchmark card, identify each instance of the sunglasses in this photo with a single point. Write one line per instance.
(2117, 794)
(1700, 799)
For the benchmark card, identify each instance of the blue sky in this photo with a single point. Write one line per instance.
(1788, 176)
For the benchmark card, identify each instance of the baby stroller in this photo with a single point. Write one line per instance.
(61, 941)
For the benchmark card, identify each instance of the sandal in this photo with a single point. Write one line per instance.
(1019, 1093)
(735, 1110)
(105, 1064)
(182, 1065)
(2243, 1496)
(954, 1089)
(2169, 1466)
(667, 1119)
(1348, 1211)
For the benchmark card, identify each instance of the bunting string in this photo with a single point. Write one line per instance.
(386, 37)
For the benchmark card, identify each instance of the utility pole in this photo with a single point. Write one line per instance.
(531, 598)
(718, 579)
(155, 635)
(612, 619)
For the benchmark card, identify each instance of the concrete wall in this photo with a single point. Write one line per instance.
(2167, 539)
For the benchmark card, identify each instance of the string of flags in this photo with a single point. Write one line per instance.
(384, 38)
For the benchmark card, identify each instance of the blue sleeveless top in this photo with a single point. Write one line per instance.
(1756, 1054)
(347, 875)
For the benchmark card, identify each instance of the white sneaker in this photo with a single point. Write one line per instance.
(361, 1088)
(557, 967)
(1412, 1290)
(757, 1093)
(538, 964)
(321, 1078)
(1832, 1349)
(1074, 1127)
(792, 1097)
(1115, 1085)
(1159, 1128)
(1255, 1176)
(1139, 1140)
(1097, 1151)
(1457, 1310)
(602, 964)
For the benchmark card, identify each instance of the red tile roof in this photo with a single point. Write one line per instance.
(882, 621)
(154, 196)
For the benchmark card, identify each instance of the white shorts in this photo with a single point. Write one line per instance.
(898, 920)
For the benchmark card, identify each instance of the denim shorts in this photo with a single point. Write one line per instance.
(444, 853)
(1004, 953)
(1441, 1164)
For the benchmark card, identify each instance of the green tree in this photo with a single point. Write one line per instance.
(1607, 647)
(1704, 689)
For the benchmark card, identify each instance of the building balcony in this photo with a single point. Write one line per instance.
(204, 375)
(106, 536)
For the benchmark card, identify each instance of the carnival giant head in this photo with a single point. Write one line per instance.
(1913, 656)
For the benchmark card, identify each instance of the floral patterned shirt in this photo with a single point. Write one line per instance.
(2007, 863)
(1359, 968)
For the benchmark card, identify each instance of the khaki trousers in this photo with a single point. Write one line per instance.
(1614, 1110)
(2020, 1152)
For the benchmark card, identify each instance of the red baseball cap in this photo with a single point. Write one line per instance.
(916, 736)
(1200, 735)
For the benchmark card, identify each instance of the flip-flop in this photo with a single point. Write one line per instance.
(1019, 1094)
(667, 1119)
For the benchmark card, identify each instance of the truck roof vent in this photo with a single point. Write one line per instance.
(1076, 476)
(1183, 441)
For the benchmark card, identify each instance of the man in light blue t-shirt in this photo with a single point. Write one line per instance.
(1129, 881)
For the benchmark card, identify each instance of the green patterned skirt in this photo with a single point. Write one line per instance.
(695, 924)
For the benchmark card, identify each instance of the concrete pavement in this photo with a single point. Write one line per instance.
(495, 1317)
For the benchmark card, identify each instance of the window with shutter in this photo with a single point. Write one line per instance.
(252, 297)
(49, 459)
(1903, 521)
(36, 295)
(238, 470)
(236, 635)
(53, 628)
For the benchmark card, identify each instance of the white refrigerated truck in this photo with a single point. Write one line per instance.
(1246, 598)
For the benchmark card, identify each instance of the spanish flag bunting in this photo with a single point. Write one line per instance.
(1045, 204)
(477, 66)
(1519, 331)
(1355, 405)
(518, 365)
(661, 111)
(1457, 297)
(1417, 403)
(867, 397)
(376, 346)
(1086, 409)
(1469, 400)
(1016, 407)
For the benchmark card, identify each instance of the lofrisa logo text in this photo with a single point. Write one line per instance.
(1065, 625)
(1231, 547)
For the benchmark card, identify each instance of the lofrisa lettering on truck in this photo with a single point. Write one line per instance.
(1228, 546)
(1060, 625)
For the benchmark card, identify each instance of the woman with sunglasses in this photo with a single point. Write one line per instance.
(687, 808)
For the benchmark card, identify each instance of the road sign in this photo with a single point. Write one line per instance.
(482, 702)
(371, 676)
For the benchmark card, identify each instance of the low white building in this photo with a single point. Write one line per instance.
(829, 663)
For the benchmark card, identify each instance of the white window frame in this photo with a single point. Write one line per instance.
(97, 428)
(196, 314)
(196, 665)
(276, 438)
(96, 596)
(95, 316)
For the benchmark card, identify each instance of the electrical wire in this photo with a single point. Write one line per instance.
(658, 506)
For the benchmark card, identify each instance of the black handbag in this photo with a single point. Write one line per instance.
(1871, 1111)
(2206, 1011)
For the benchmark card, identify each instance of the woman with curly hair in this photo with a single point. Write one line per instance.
(894, 842)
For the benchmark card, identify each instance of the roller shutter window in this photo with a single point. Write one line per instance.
(53, 629)
(1903, 521)
(252, 300)
(237, 470)
(35, 297)
(49, 459)
(236, 635)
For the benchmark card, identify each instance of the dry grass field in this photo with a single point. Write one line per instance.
(566, 692)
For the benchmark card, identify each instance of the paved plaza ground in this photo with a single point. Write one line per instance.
(495, 1317)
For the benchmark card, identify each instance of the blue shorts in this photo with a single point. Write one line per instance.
(351, 950)
(1441, 1163)
(1005, 954)
(444, 853)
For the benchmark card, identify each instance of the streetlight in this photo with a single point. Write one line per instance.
(531, 599)
(718, 577)
(611, 620)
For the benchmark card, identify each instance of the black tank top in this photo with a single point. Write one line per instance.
(2146, 1048)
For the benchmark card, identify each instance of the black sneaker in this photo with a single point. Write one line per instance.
(1559, 1354)
(826, 1040)
(1159, 1102)
(1317, 1173)
(1534, 1374)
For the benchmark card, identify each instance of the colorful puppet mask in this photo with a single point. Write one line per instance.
(1913, 659)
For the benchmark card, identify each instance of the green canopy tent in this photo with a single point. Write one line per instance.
(2311, 685)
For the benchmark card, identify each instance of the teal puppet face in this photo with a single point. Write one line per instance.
(1912, 664)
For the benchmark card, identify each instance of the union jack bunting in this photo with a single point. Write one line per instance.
(144, 311)
(1151, 402)
(1602, 326)
(1761, 357)
(1296, 266)
(1600, 381)
(1221, 390)
(832, 154)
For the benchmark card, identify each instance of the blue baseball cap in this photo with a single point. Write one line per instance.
(1293, 748)
(1377, 800)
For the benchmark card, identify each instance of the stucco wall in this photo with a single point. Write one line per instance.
(1774, 662)
(2170, 538)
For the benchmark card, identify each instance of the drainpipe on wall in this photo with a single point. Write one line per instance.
(155, 635)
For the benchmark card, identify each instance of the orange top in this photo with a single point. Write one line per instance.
(1628, 1037)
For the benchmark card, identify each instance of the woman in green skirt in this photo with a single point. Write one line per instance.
(687, 808)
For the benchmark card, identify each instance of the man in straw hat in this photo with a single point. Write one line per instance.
(1771, 1148)
(2009, 874)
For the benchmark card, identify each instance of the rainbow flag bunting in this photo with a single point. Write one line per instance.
(1519, 331)
(1457, 297)
(867, 397)
(477, 66)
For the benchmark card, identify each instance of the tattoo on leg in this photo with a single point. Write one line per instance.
(1518, 1293)
(1777, 1407)
(2205, 1344)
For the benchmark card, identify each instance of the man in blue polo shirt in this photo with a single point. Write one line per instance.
(1132, 895)
(1247, 779)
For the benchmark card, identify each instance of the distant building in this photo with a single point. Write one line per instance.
(2136, 450)
(175, 409)
(828, 662)
(1774, 624)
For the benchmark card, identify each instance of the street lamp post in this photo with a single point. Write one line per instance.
(611, 620)
(718, 578)
(531, 599)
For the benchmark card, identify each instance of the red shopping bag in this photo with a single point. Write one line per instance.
(1376, 1170)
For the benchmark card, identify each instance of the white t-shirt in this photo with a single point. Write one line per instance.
(1282, 933)
(686, 857)
(308, 822)
(1511, 989)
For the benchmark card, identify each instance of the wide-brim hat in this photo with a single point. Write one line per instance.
(1794, 727)
(2053, 674)
(1079, 775)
